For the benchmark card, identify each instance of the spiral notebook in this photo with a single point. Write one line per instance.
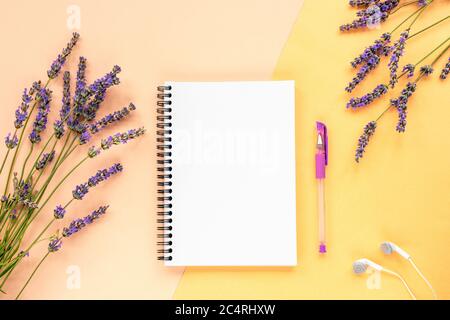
(226, 173)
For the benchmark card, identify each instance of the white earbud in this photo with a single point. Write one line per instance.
(389, 247)
(361, 265)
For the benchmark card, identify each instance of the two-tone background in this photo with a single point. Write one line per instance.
(399, 192)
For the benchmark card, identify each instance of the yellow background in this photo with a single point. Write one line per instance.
(399, 192)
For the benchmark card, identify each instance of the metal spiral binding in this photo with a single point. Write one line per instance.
(164, 168)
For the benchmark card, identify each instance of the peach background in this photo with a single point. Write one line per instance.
(152, 41)
(399, 191)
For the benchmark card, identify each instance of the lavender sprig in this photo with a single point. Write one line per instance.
(59, 212)
(45, 160)
(116, 116)
(43, 98)
(84, 138)
(409, 69)
(81, 76)
(11, 142)
(58, 125)
(102, 175)
(378, 48)
(362, 3)
(78, 224)
(363, 140)
(99, 87)
(371, 64)
(22, 110)
(397, 52)
(54, 244)
(81, 95)
(445, 71)
(97, 90)
(121, 138)
(368, 98)
(426, 70)
(56, 66)
(400, 104)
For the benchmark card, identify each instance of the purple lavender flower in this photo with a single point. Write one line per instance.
(54, 245)
(22, 191)
(409, 69)
(445, 71)
(121, 138)
(59, 212)
(368, 98)
(104, 174)
(58, 125)
(93, 152)
(58, 128)
(56, 66)
(371, 64)
(22, 110)
(45, 160)
(78, 224)
(81, 76)
(362, 3)
(82, 93)
(401, 105)
(11, 142)
(43, 98)
(84, 138)
(363, 140)
(97, 91)
(99, 88)
(426, 70)
(111, 118)
(80, 191)
(378, 48)
(423, 3)
(101, 175)
(397, 52)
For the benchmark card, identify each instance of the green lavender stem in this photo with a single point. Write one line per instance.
(32, 274)
(403, 5)
(407, 18)
(24, 226)
(430, 26)
(26, 160)
(30, 173)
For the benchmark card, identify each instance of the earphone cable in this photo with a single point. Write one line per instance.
(423, 277)
(403, 281)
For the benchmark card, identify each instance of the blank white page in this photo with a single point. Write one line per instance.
(233, 167)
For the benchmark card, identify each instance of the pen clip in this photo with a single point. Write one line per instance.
(322, 130)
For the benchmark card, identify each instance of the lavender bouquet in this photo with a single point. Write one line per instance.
(27, 185)
(384, 46)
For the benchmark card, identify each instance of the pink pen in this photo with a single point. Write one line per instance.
(321, 163)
